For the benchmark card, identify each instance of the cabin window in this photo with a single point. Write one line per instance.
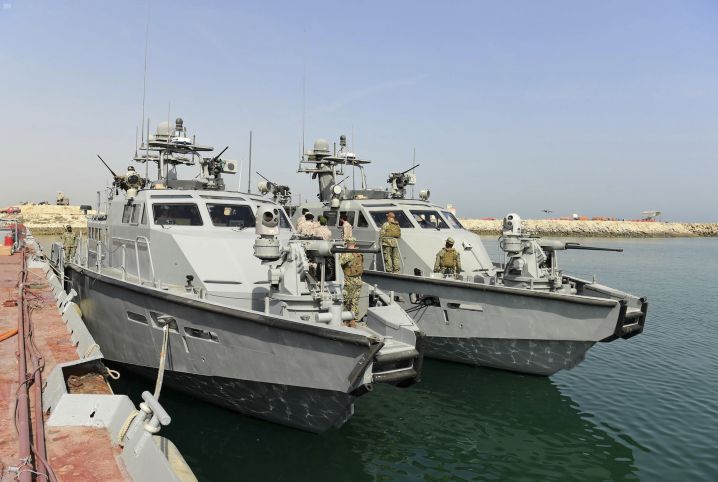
(177, 214)
(231, 215)
(361, 221)
(127, 213)
(380, 218)
(428, 219)
(331, 217)
(144, 217)
(350, 216)
(136, 210)
(452, 220)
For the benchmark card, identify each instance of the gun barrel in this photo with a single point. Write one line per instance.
(592, 248)
(218, 155)
(411, 168)
(337, 250)
(108, 167)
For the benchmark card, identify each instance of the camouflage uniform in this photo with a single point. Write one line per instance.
(346, 230)
(448, 261)
(308, 228)
(300, 223)
(322, 232)
(68, 241)
(353, 266)
(390, 234)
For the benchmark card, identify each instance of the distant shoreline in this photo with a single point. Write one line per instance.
(597, 229)
(51, 220)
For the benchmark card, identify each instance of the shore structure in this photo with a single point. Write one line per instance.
(49, 219)
(60, 420)
(595, 228)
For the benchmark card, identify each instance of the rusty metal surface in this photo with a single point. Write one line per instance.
(75, 453)
(90, 383)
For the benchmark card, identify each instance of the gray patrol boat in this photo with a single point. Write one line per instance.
(245, 313)
(524, 314)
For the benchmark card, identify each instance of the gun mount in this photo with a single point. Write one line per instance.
(400, 180)
(280, 193)
(303, 266)
(131, 182)
(329, 169)
(531, 261)
(170, 148)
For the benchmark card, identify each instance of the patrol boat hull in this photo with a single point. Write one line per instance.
(297, 374)
(512, 329)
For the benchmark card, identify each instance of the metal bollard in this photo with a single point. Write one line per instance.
(159, 416)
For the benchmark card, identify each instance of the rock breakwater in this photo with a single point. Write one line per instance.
(610, 229)
(47, 219)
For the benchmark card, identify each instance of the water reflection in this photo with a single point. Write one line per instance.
(460, 422)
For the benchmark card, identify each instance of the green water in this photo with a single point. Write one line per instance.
(640, 409)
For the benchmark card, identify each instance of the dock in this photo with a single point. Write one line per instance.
(59, 419)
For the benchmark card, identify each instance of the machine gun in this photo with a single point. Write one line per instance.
(212, 169)
(400, 180)
(131, 182)
(280, 193)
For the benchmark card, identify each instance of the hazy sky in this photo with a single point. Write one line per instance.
(594, 107)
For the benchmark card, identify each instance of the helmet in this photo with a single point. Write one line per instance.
(449, 240)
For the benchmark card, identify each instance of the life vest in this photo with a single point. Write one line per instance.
(392, 230)
(448, 258)
(355, 266)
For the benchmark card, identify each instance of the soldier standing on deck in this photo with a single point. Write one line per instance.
(308, 226)
(390, 234)
(353, 266)
(68, 241)
(322, 231)
(346, 227)
(302, 219)
(448, 260)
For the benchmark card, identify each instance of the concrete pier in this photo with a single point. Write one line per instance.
(75, 453)
(85, 425)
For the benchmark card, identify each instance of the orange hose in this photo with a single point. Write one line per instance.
(8, 334)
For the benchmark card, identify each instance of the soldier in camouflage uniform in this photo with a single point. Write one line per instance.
(353, 266)
(390, 234)
(346, 227)
(321, 230)
(448, 260)
(308, 226)
(68, 241)
(302, 219)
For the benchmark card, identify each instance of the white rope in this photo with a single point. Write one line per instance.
(90, 349)
(163, 359)
(114, 374)
(126, 426)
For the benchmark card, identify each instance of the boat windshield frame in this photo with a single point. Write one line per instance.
(401, 216)
(244, 210)
(453, 220)
(197, 216)
(427, 223)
